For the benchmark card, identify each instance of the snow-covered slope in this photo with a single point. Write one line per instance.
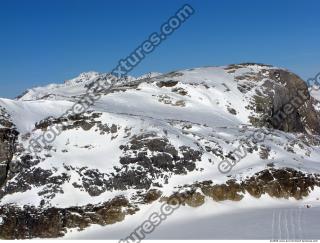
(70, 88)
(150, 136)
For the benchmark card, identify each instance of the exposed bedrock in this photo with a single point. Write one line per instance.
(283, 102)
(8, 136)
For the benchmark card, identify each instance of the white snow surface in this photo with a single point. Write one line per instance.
(147, 108)
(251, 218)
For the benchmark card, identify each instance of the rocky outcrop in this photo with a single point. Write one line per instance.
(191, 198)
(292, 109)
(8, 136)
(154, 159)
(282, 100)
(50, 222)
(120, 147)
(279, 183)
(30, 222)
(148, 160)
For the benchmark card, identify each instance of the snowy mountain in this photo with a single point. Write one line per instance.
(160, 137)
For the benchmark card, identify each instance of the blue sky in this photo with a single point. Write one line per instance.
(45, 41)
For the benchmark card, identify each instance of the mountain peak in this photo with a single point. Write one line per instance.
(82, 78)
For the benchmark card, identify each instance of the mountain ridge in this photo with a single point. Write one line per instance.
(153, 137)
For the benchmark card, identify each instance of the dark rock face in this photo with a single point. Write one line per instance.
(148, 157)
(229, 191)
(31, 222)
(282, 102)
(284, 183)
(191, 198)
(170, 83)
(85, 121)
(280, 183)
(292, 109)
(152, 195)
(37, 177)
(8, 136)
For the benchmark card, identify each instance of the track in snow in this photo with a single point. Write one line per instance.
(287, 224)
(281, 223)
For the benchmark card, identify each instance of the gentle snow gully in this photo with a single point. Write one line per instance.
(225, 166)
(124, 66)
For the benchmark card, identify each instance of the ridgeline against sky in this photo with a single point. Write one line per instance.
(51, 41)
